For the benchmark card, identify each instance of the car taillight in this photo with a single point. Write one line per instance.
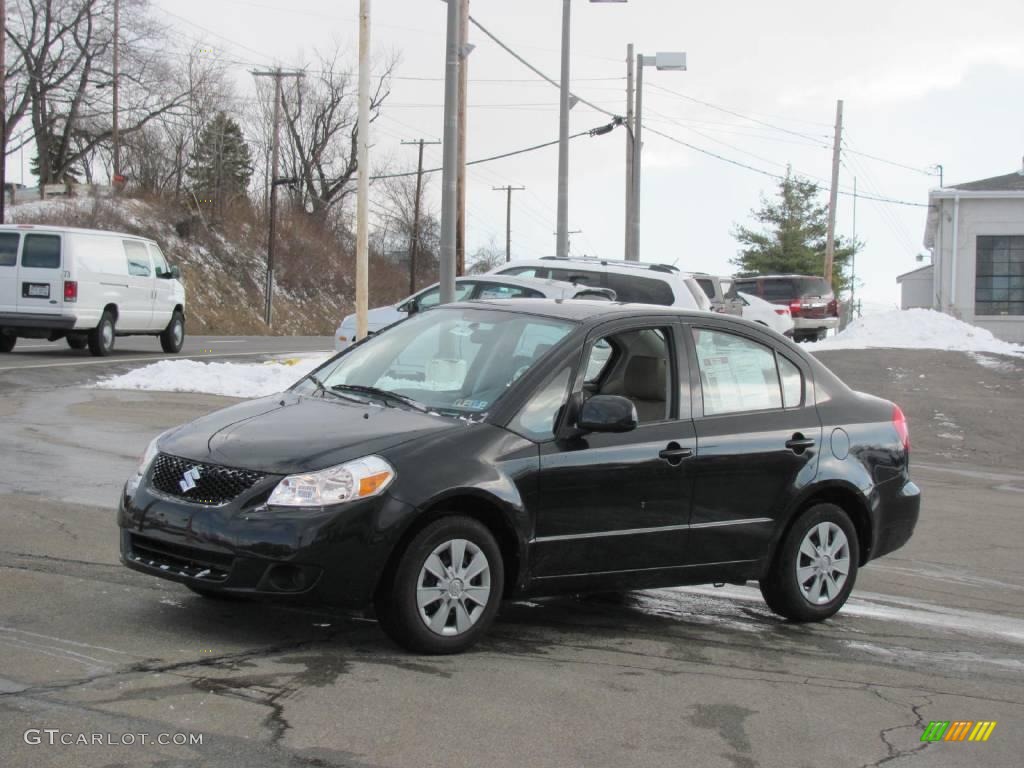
(833, 308)
(782, 311)
(794, 308)
(70, 290)
(900, 422)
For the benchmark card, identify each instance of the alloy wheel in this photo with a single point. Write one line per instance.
(454, 587)
(823, 563)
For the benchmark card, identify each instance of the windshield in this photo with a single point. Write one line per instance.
(453, 361)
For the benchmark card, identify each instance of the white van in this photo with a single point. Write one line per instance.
(86, 286)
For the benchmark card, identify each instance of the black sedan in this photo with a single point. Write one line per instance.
(500, 449)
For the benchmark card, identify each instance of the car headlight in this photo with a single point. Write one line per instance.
(147, 458)
(359, 479)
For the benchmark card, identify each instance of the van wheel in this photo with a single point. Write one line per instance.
(7, 342)
(446, 590)
(173, 335)
(77, 342)
(815, 567)
(101, 338)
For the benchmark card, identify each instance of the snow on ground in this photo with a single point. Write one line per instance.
(227, 379)
(916, 329)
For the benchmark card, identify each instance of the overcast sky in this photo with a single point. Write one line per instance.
(923, 82)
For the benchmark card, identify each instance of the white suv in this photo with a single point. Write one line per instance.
(633, 281)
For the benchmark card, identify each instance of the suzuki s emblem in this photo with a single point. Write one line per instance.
(189, 480)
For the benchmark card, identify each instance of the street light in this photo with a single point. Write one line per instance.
(562, 248)
(664, 61)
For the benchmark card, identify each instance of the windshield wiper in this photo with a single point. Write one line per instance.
(382, 394)
(322, 388)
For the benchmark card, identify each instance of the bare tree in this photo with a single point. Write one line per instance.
(320, 131)
(62, 72)
(397, 208)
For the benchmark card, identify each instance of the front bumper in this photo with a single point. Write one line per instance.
(331, 556)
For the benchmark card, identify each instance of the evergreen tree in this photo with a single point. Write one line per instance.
(221, 164)
(792, 241)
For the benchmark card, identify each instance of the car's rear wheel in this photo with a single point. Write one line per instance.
(815, 567)
(173, 336)
(101, 338)
(77, 342)
(7, 342)
(446, 589)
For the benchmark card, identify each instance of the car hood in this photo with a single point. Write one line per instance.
(376, 318)
(289, 433)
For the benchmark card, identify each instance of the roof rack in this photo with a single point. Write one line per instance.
(616, 262)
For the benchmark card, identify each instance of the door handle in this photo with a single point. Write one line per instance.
(798, 443)
(674, 453)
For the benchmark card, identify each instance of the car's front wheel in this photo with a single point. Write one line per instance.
(815, 567)
(173, 336)
(446, 589)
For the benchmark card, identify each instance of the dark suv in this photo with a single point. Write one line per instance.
(496, 449)
(810, 300)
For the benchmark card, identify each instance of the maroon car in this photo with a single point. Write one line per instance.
(810, 300)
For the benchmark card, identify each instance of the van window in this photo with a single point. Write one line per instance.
(159, 262)
(642, 290)
(41, 252)
(138, 258)
(9, 248)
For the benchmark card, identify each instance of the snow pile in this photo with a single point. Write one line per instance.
(227, 379)
(916, 329)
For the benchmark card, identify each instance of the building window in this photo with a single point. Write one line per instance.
(999, 283)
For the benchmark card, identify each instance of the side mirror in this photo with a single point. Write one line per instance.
(175, 272)
(408, 307)
(607, 413)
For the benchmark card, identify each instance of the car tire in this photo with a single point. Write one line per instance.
(7, 342)
(821, 335)
(77, 342)
(456, 619)
(101, 338)
(805, 582)
(173, 336)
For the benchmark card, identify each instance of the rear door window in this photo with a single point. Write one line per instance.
(812, 287)
(641, 290)
(778, 290)
(9, 248)
(540, 272)
(737, 374)
(41, 252)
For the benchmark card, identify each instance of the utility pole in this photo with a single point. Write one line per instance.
(116, 118)
(3, 111)
(460, 217)
(278, 74)
(449, 191)
(414, 243)
(629, 151)
(568, 238)
(853, 256)
(830, 243)
(363, 182)
(562, 235)
(638, 145)
(509, 189)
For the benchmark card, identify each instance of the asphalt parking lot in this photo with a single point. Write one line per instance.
(703, 677)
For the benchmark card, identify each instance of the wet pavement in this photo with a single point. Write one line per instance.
(699, 676)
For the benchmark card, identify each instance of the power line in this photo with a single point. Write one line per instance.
(776, 176)
(851, 151)
(592, 132)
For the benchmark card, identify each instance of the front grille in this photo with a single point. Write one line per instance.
(180, 559)
(201, 483)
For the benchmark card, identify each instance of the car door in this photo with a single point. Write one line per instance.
(758, 438)
(620, 503)
(164, 294)
(40, 288)
(136, 310)
(9, 244)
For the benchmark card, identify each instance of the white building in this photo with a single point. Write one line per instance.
(975, 232)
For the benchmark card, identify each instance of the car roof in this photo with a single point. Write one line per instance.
(580, 310)
(775, 277)
(608, 265)
(70, 231)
